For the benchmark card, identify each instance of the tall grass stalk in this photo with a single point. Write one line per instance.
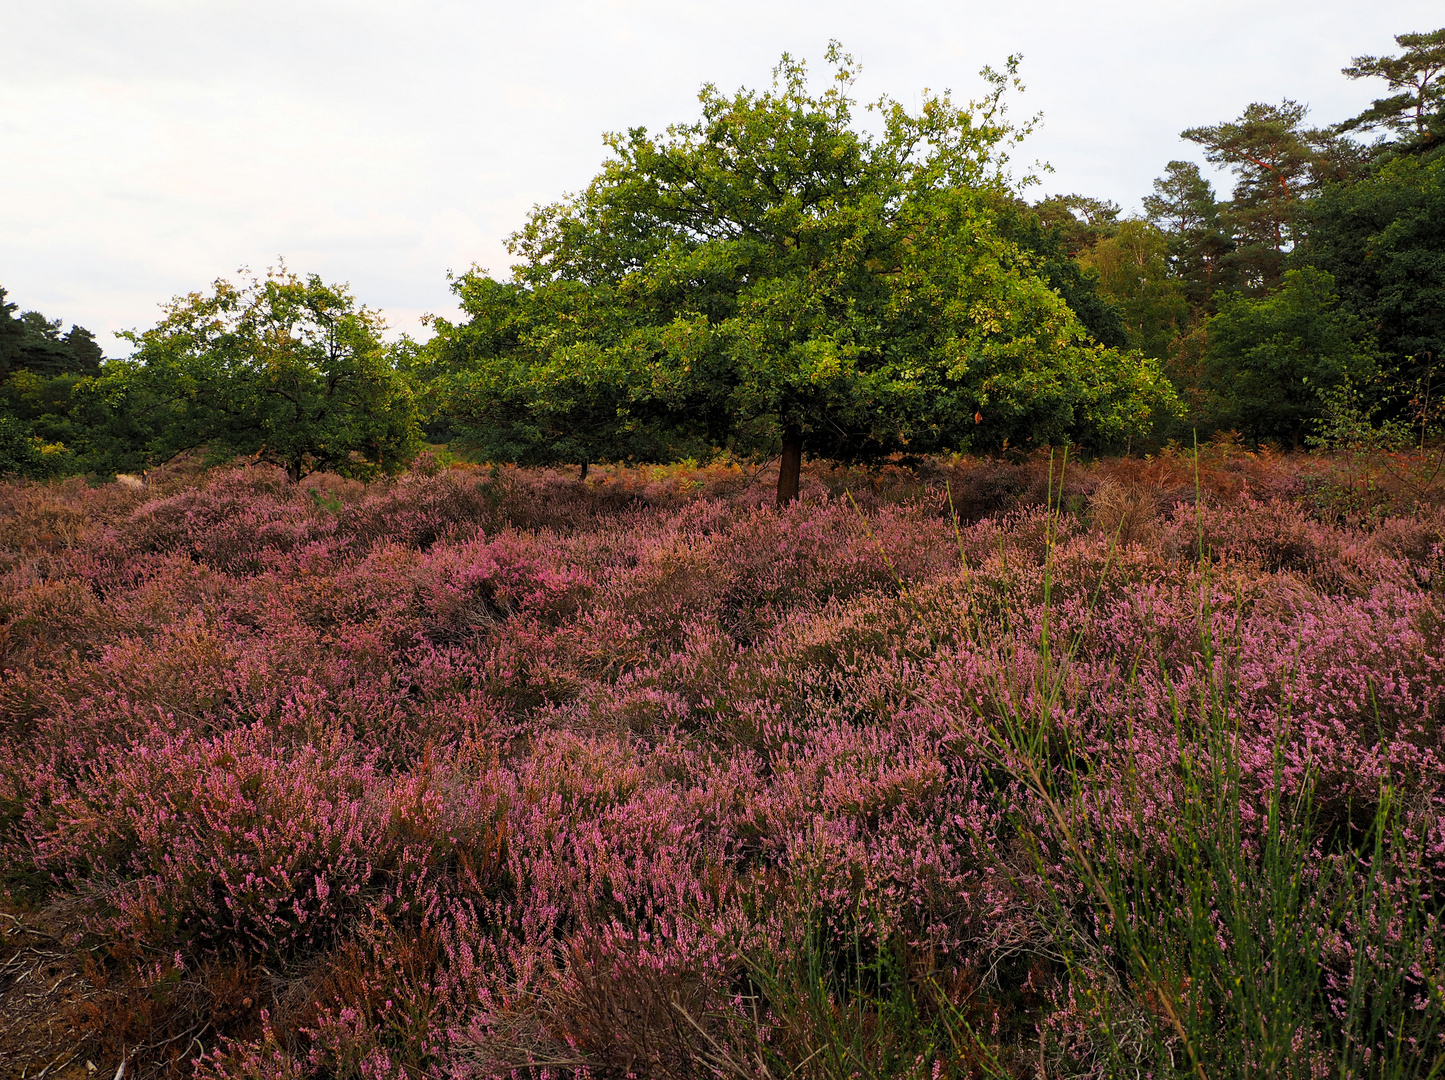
(1214, 930)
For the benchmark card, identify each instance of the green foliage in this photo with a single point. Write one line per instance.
(771, 272)
(525, 379)
(1269, 361)
(1372, 217)
(1276, 159)
(1185, 209)
(1079, 220)
(284, 370)
(40, 367)
(1415, 113)
(45, 406)
(1133, 272)
(31, 342)
(1055, 236)
(25, 454)
(1383, 239)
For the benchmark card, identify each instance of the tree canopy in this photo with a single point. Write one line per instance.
(1415, 113)
(1057, 239)
(1383, 239)
(1271, 361)
(775, 271)
(31, 342)
(282, 369)
(795, 273)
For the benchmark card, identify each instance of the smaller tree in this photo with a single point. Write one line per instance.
(1270, 362)
(283, 369)
(1133, 273)
(1185, 209)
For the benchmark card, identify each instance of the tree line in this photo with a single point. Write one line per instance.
(795, 273)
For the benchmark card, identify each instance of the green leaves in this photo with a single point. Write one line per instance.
(1415, 112)
(1134, 274)
(1277, 162)
(1383, 238)
(773, 267)
(1270, 361)
(284, 370)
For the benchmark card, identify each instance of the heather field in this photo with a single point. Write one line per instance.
(1132, 768)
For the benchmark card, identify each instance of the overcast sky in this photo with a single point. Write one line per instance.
(149, 146)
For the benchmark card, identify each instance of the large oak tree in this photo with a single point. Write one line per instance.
(777, 270)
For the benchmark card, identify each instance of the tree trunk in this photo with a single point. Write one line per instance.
(790, 466)
(583, 475)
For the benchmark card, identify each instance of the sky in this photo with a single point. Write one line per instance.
(148, 147)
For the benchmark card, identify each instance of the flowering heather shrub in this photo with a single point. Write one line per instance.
(491, 772)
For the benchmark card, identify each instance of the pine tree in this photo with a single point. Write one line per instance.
(1185, 208)
(1415, 113)
(1272, 154)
